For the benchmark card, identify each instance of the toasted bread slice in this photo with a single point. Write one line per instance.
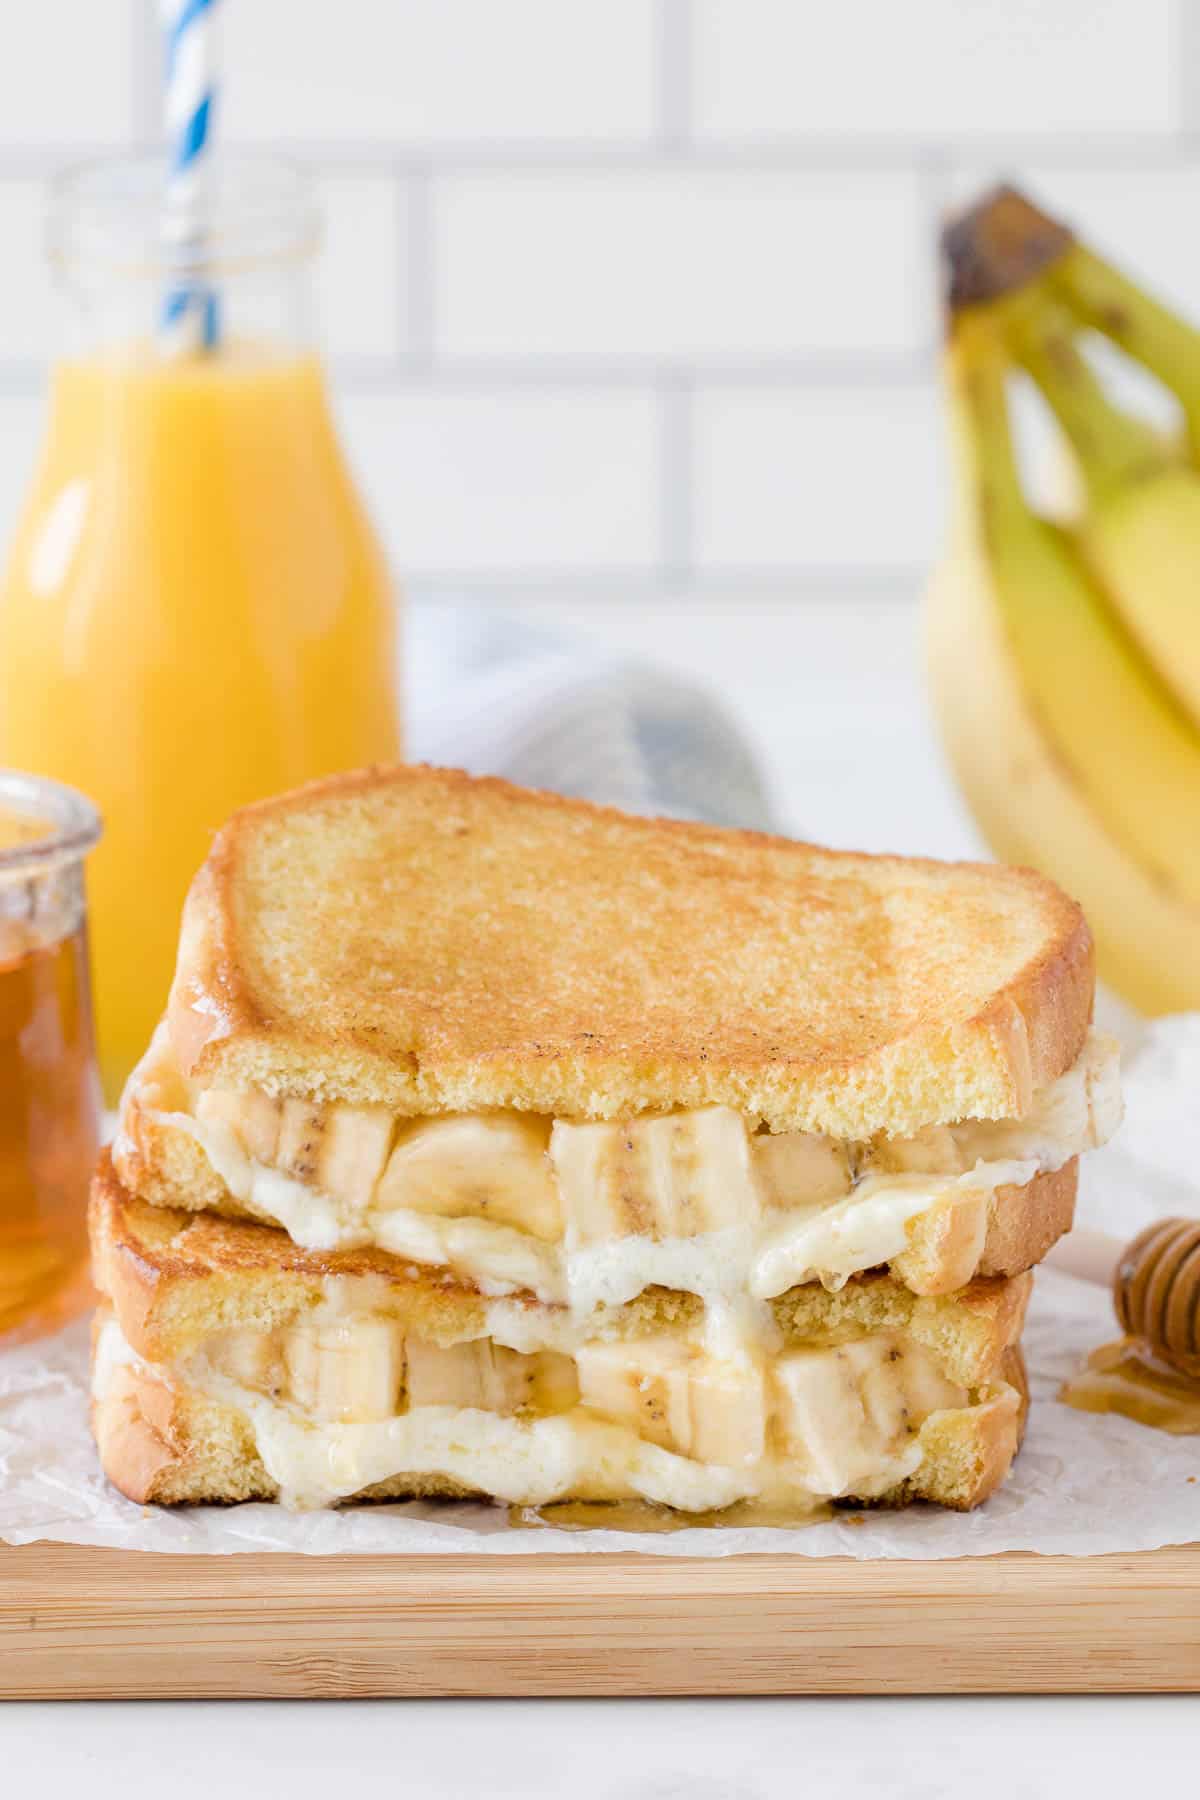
(162, 1442)
(420, 940)
(175, 1278)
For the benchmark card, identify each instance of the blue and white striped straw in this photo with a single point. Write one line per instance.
(190, 314)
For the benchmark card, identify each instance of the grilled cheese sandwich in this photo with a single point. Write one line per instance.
(498, 1143)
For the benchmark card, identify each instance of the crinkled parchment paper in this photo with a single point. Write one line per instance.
(1084, 1484)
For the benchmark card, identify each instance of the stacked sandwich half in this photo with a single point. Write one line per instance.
(497, 1144)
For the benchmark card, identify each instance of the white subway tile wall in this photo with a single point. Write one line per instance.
(637, 294)
(69, 75)
(786, 477)
(491, 477)
(934, 71)
(677, 264)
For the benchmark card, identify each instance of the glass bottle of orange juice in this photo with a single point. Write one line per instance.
(195, 612)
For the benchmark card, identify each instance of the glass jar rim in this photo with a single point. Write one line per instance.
(109, 216)
(73, 823)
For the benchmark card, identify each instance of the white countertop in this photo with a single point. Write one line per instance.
(830, 693)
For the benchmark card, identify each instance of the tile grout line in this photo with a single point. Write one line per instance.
(814, 370)
(672, 27)
(635, 581)
(828, 155)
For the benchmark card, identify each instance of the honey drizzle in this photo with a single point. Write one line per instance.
(644, 1516)
(1126, 1378)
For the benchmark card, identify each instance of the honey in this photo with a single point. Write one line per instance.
(1125, 1377)
(644, 1516)
(49, 1127)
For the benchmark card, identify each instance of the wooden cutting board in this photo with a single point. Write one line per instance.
(118, 1624)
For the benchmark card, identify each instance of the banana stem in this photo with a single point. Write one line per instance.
(1112, 447)
(1143, 327)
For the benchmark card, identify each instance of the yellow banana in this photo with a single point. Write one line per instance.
(1143, 327)
(1139, 528)
(1005, 242)
(1070, 756)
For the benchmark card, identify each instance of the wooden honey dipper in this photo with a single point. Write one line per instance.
(1152, 1374)
(1155, 1282)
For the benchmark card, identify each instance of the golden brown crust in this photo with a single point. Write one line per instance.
(430, 942)
(1021, 1224)
(156, 1159)
(1025, 1223)
(133, 1426)
(970, 1453)
(174, 1446)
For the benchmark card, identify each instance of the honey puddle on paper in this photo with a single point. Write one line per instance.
(642, 1515)
(1126, 1378)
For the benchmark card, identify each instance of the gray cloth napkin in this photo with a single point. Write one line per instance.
(488, 692)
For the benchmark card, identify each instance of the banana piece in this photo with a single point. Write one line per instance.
(490, 1166)
(353, 1154)
(677, 1176)
(251, 1118)
(345, 1372)
(843, 1415)
(1053, 741)
(801, 1168)
(487, 1376)
(339, 1150)
(336, 1150)
(932, 1151)
(253, 1359)
(675, 1395)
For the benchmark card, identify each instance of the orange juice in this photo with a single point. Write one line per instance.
(196, 614)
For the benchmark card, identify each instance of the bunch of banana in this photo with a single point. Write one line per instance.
(1065, 658)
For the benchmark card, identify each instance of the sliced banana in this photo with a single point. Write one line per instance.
(486, 1376)
(252, 1118)
(842, 1415)
(347, 1372)
(933, 1151)
(489, 1166)
(801, 1168)
(680, 1175)
(340, 1151)
(675, 1395)
(251, 1358)
(301, 1130)
(354, 1153)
